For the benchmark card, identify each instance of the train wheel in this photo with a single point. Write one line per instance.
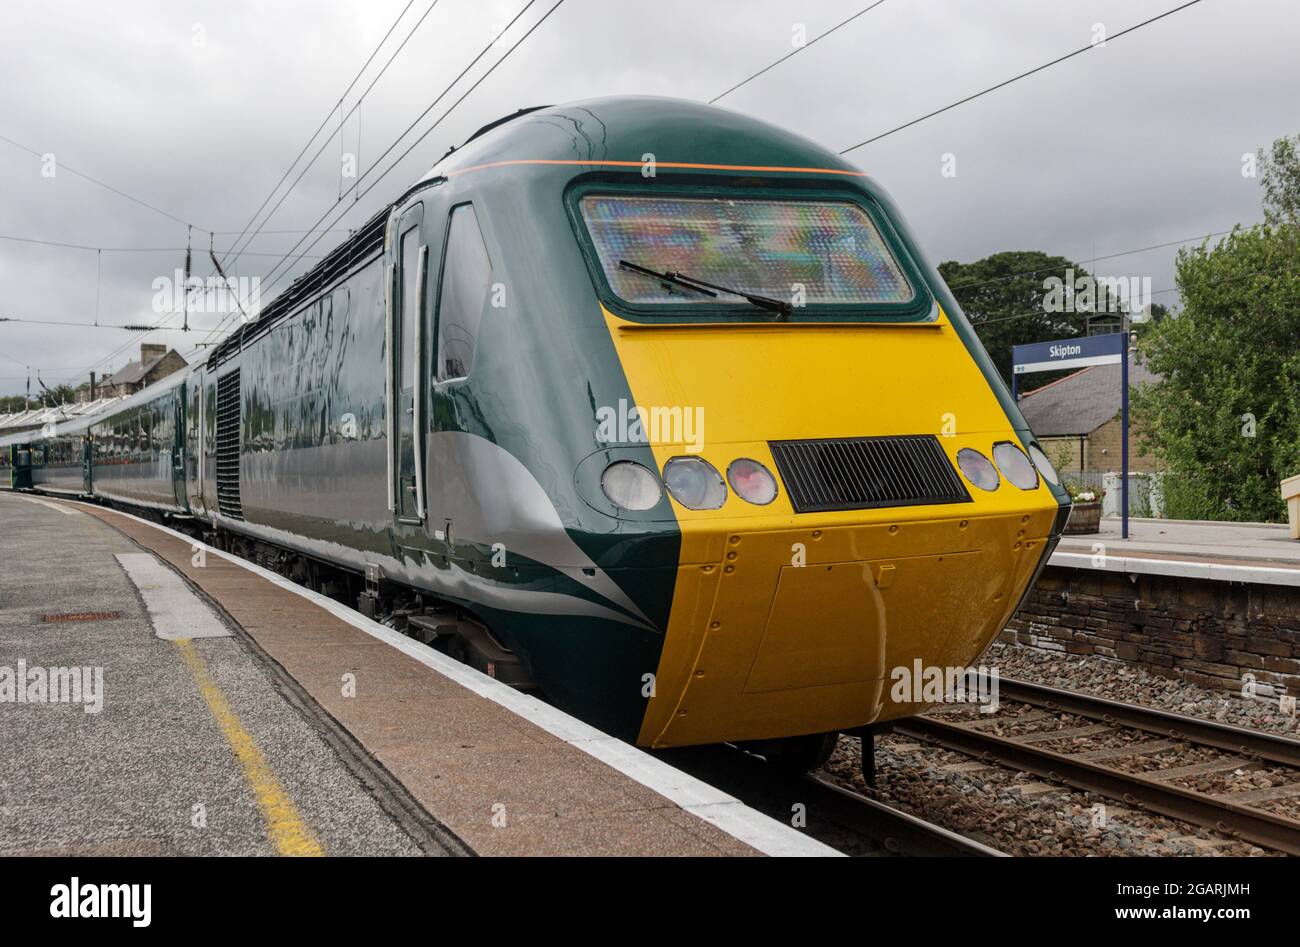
(799, 754)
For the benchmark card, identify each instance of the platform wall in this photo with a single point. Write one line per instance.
(1212, 633)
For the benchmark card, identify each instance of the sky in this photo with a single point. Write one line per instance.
(197, 109)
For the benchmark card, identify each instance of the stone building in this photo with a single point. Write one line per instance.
(1077, 419)
(156, 362)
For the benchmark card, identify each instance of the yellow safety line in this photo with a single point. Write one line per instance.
(288, 832)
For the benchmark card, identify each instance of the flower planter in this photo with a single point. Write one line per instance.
(1084, 518)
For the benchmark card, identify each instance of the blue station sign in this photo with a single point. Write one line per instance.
(1068, 353)
(1110, 349)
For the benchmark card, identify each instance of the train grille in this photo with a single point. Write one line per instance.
(859, 473)
(228, 501)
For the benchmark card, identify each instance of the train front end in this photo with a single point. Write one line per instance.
(846, 525)
(789, 477)
(860, 507)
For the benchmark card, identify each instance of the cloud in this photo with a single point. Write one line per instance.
(198, 108)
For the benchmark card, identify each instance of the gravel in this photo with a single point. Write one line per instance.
(1107, 677)
(1009, 811)
(1023, 815)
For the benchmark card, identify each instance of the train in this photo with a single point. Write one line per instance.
(648, 406)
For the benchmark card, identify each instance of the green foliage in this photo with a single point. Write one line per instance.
(1280, 178)
(1061, 457)
(11, 404)
(1080, 492)
(1003, 296)
(1230, 363)
(1158, 315)
(60, 394)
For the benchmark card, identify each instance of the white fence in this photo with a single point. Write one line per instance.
(1145, 491)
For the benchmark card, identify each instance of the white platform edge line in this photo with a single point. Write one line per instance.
(46, 503)
(692, 795)
(175, 611)
(1178, 568)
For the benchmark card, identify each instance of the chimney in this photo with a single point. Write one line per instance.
(150, 350)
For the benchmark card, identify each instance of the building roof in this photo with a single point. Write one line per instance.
(1080, 403)
(38, 417)
(134, 372)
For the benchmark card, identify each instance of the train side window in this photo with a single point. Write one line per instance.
(463, 293)
(410, 308)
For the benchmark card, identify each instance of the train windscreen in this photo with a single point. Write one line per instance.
(688, 250)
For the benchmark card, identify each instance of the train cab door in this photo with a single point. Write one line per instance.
(20, 469)
(407, 328)
(193, 419)
(180, 485)
(87, 463)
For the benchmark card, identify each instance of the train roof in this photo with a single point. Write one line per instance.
(620, 131)
(34, 421)
(97, 411)
(613, 133)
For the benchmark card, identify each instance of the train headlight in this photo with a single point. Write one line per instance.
(1015, 466)
(631, 486)
(694, 483)
(752, 481)
(978, 469)
(1044, 465)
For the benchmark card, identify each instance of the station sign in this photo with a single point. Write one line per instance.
(1109, 349)
(1068, 353)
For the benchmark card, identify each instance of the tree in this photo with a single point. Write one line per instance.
(1280, 179)
(11, 404)
(1225, 419)
(60, 394)
(1008, 297)
(1140, 329)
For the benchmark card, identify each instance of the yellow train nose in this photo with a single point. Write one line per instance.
(799, 630)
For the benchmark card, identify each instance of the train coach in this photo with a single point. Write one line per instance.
(647, 405)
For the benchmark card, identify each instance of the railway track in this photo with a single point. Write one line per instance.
(843, 819)
(1155, 733)
(900, 833)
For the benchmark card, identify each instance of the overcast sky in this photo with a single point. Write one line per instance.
(197, 108)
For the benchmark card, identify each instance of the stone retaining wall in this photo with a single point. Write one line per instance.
(1211, 633)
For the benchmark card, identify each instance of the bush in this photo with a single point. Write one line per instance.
(1225, 419)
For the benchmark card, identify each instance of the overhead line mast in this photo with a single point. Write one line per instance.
(426, 132)
(355, 184)
(325, 122)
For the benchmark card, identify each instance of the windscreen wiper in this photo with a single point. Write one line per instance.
(762, 302)
(700, 286)
(674, 278)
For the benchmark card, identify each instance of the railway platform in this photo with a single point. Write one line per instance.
(1238, 552)
(158, 696)
(1215, 604)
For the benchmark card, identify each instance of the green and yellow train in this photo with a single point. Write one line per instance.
(646, 404)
